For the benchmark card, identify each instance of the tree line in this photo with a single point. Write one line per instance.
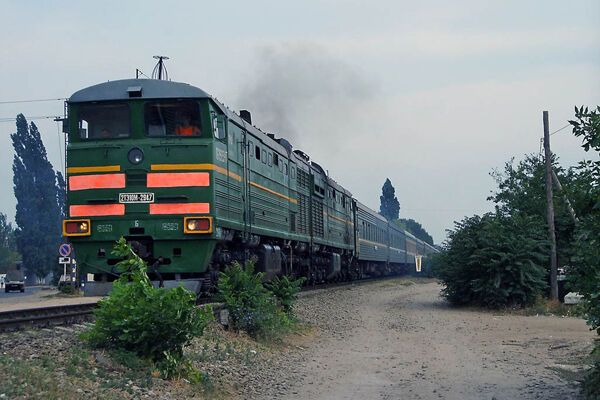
(41, 200)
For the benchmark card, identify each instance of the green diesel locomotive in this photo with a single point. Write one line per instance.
(194, 186)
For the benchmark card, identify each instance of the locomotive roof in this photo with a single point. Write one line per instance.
(150, 89)
(160, 89)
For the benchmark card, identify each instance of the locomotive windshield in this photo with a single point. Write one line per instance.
(103, 121)
(172, 118)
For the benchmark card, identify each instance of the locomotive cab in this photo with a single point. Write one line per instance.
(141, 159)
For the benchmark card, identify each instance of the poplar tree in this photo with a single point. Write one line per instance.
(390, 206)
(38, 232)
(61, 196)
(8, 254)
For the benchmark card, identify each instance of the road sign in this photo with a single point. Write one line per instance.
(65, 250)
(64, 260)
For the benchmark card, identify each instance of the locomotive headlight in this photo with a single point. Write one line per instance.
(135, 156)
(76, 227)
(197, 225)
(192, 224)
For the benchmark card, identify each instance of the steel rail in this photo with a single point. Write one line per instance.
(41, 317)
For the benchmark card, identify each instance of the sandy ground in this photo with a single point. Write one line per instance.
(405, 342)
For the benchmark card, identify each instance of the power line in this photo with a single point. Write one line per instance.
(558, 130)
(441, 209)
(13, 119)
(552, 133)
(31, 101)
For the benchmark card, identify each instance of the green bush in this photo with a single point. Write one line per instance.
(286, 291)
(584, 276)
(137, 317)
(493, 261)
(591, 383)
(67, 289)
(252, 308)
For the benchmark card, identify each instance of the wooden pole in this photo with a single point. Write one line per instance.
(550, 211)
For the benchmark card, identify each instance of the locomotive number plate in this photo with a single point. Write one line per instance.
(136, 197)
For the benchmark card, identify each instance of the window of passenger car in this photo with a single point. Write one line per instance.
(172, 118)
(103, 121)
(251, 148)
(264, 156)
(270, 159)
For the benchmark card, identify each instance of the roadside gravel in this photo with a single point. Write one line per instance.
(396, 340)
(393, 339)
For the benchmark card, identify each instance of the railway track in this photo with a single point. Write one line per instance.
(42, 317)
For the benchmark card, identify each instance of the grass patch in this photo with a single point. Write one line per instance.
(29, 379)
(543, 306)
(81, 372)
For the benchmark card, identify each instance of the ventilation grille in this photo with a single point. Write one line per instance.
(318, 218)
(303, 179)
(302, 225)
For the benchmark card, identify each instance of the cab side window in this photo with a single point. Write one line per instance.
(172, 118)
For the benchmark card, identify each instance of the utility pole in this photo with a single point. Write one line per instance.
(550, 211)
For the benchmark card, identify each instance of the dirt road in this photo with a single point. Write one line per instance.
(403, 342)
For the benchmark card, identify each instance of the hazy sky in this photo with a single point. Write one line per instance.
(432, 95)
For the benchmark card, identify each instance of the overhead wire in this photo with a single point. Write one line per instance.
(32, 100)
(558, 130)
(552, 133)
(13, 119)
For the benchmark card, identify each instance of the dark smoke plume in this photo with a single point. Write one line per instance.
(298, 92)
